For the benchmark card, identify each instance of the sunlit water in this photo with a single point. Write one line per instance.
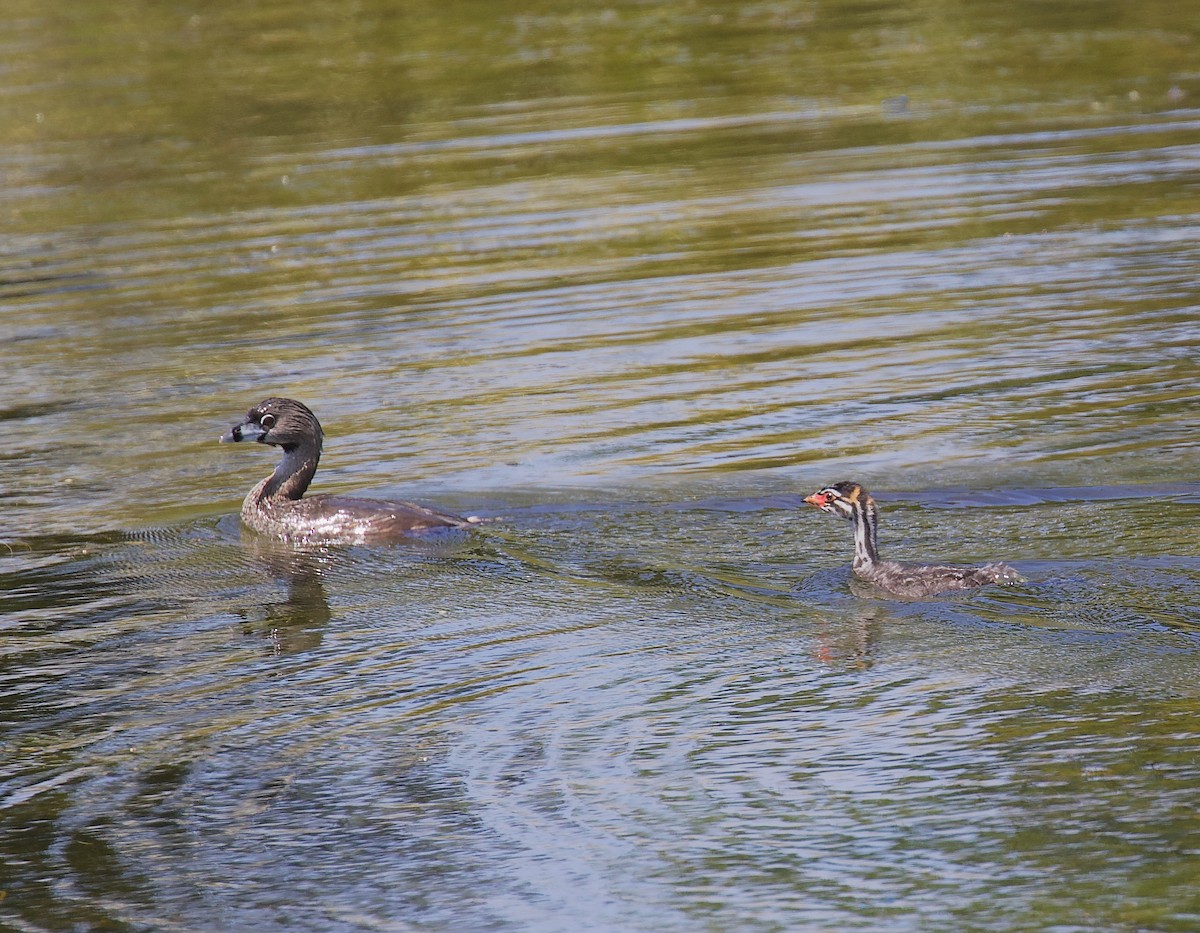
(627, 282)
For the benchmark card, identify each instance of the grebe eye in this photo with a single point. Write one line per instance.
(267, 421)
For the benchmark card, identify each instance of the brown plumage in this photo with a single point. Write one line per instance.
(853, 502)
(275, 506)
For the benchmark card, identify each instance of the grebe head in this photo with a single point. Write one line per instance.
(840, 499)
(281, 422)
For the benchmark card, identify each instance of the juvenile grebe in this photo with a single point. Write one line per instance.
(274, 507)
(852, 501)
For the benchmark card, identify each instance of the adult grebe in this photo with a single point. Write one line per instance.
(274, 507)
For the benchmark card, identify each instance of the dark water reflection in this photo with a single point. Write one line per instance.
(555, 717)
(630, 281)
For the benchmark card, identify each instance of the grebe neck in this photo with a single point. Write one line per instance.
(293, 474)
(865, 519)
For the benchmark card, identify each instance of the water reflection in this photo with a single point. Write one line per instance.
(295, 622)
(849, 643)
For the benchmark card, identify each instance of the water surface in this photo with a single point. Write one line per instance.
(629, 282)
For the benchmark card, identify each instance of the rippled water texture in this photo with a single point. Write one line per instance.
(628, 281)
